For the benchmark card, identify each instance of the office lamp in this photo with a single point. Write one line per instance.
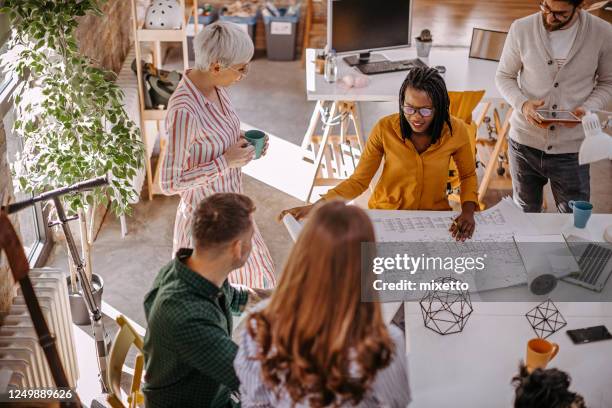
(597, 144)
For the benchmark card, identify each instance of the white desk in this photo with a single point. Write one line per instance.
(474, 368)
(462, 74)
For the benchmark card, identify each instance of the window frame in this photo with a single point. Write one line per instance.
(41, 249)
(6, 84)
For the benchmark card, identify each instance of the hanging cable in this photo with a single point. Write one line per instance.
(333, 121)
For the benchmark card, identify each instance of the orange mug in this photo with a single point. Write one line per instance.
(539, 353)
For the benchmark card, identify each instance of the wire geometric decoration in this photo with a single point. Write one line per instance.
(545, 319)
(446, 311)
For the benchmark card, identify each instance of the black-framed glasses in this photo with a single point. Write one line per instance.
(559, 15)
(411, 110)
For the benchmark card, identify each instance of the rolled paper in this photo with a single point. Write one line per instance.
(541, 284)
(293, 226)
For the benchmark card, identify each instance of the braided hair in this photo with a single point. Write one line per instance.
(428, 80)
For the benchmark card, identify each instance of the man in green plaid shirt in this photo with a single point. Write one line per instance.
(188, 346)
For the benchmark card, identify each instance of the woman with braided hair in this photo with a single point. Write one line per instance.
(417, 144)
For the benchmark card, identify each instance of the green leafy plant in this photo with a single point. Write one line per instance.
(68, 111)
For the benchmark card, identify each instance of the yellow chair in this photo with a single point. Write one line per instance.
(462, 104)
(125, 338)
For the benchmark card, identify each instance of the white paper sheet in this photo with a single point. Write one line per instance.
(495, 228)
(498, 223)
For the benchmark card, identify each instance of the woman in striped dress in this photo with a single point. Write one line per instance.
(206, 149)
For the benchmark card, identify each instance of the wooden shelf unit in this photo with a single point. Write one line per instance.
(315, 26)
(157, 37)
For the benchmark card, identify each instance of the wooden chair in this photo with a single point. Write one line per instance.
(334, 156)
(499, 149)
(124, 340)
(462, 105)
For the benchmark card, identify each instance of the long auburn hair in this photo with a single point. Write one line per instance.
(317, 340)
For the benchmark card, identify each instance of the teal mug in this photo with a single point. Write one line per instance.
(582, 212)
(258, 139)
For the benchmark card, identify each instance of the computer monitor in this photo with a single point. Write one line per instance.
(362, 26)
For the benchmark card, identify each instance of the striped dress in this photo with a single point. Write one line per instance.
(193, 166)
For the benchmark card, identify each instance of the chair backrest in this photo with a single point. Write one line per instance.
(124, 340)
(462, 104)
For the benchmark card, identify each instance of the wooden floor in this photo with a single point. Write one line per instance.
(451, 21)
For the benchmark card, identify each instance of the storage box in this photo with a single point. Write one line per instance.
(281, 36)
(246, 23)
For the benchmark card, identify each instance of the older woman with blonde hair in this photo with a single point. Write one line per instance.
(206, 149)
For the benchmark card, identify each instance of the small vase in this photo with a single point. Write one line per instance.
(423, 48)
(78, 308)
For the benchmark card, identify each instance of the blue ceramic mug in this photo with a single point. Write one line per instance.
(582, 212)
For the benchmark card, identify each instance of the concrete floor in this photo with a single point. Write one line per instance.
(271, 98)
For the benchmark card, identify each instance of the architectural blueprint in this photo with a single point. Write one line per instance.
(425, 233)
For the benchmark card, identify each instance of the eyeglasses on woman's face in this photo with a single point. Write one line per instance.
(243, 71)
(558, 15)
(411, 110)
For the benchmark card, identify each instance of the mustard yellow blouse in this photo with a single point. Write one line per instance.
(409, 180)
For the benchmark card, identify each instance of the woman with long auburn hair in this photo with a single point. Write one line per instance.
(314, 342)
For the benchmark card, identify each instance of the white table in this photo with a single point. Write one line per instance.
(474, 368)
(462, 74)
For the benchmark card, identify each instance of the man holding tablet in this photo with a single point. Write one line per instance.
(556, 65)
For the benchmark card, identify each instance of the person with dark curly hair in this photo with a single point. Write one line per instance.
(315, 343)
(544, 389)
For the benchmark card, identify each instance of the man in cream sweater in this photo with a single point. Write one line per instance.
(557, 59)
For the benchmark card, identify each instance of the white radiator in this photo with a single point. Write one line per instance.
(22, 359)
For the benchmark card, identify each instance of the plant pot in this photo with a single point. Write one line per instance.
(423, 48)
(78, 307)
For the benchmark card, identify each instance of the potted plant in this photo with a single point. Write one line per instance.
(423, 44)
(69, 114)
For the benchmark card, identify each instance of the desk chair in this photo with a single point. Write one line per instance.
(462, 105)
(125, 338)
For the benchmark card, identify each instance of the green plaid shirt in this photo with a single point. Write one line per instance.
(188, 346)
